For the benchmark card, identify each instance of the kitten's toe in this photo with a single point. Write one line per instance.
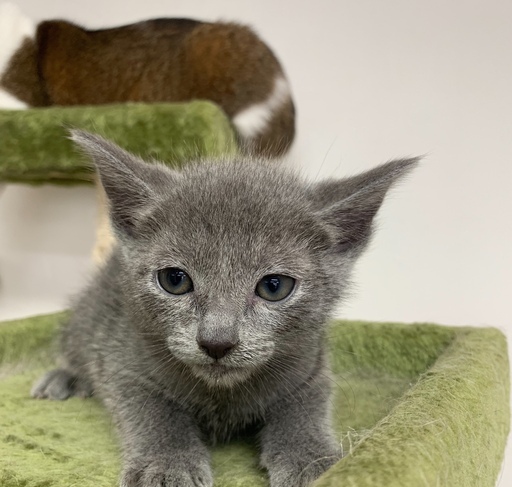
(301, 472)
(58, 385)
(130, 478)
(162, 473)
(196, 476)
(202, 478)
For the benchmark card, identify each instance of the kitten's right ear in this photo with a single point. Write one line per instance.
(132, 185)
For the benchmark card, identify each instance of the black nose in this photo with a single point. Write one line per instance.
(214, 349)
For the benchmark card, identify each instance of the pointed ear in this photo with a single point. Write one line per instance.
(132, 186)
(349, 205)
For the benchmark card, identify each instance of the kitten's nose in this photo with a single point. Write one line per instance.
(215, 349)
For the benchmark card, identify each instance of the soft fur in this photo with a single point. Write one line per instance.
(228, 225)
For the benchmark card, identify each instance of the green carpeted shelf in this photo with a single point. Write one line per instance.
(415, 406)
(34, 147)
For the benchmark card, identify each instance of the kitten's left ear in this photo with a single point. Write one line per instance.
(132, 185)
(348, 206)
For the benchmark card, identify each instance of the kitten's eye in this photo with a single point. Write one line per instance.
(175, 281)
(275, 287)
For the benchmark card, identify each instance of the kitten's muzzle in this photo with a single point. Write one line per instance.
(216, 349)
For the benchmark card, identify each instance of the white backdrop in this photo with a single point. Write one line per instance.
(372, 81)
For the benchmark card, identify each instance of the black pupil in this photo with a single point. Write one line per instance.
(273, 284)
(176, 277)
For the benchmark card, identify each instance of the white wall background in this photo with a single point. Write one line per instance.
(372, 80)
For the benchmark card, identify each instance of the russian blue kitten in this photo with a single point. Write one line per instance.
(209, 319)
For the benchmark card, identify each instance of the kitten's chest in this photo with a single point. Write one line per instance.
(228, 415)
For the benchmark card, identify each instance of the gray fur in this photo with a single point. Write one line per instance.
(227, 224)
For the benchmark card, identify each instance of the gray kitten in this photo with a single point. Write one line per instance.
(209, 319)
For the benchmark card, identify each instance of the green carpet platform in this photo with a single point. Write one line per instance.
(34, 147)
(415, 406)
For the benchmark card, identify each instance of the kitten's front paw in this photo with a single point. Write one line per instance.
(167, 472)
(300, 471)
(59, 384)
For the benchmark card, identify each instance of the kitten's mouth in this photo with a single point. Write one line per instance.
(218, 374)
(219, 369)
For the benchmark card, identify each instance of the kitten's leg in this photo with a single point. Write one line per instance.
(59, 384)
(298, 444)
(161, 443)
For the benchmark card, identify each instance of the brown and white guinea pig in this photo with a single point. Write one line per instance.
(164, 60)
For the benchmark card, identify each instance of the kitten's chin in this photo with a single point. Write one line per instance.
(216, 375)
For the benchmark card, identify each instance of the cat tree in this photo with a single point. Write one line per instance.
(415, 405)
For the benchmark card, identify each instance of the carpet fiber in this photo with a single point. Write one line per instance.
(415, 406)
(34, 146)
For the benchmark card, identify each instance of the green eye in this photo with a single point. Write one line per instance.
(174, 281)
(275, 287)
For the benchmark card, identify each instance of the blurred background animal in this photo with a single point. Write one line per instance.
(57, 62)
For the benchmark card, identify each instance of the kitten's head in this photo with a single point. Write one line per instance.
(234, 265)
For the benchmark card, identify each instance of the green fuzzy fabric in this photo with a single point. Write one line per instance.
(415, 406)
(34, 144)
